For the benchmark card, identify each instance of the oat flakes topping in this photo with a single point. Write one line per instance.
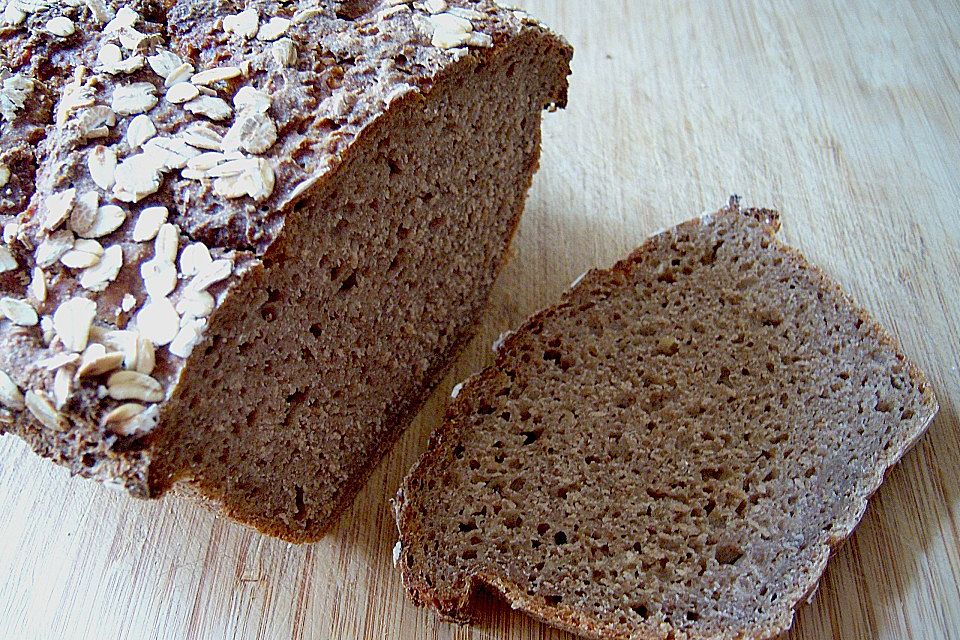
(7, 261)
(43, 410)
(10, 394)
(140, 129)
(158, 321)
(284, 51)
(182, 92)
(250, 99)
(84, 254)
(167, 243)
(98, 361)
(59, 205)
(108, 219)
(214, 108)
(16, 89)
(99, 276)
(216, 74)
(159, 277)
(273, 29)
(164, 62)
(252, 131)
(72, 321)
(4, 175)
(133, 385)
(187, 338)
(148, 223)
(203, 136)
(137, 177)
(102, 163)
(38, 285)
(61, 27)
(245, 24)
(18, 312)
(84, 214)
(119, 417)
(53, 248)
(62, 388)
(134, 98)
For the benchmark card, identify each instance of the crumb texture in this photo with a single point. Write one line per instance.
(671, 451)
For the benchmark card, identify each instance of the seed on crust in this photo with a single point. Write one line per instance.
(109, 218)
(134, 98)
(187, 338)
(7, 261)
(121, 414)
(53, 248)
(182, 92)
(10, 395)
(158, 321)
(214, 108)
(59, 205)
(137, 177)
(133, 385)
(62, 387)
(248, 98)
(19, 312)
(252, 131)
(84, 214)
(159, 277)
(140, 129)
(167, 243)
(43, 410)
(284, 52)
(164, 62)
(194, 257)
(72, 321)
(99, 276)
(148, 223)
(245, 24)
(61, 26)
(102, 163)
(274, 28)
(99, 362)
(38, 285)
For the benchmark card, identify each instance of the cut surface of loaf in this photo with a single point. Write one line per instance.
(256, 234)
(672, 451)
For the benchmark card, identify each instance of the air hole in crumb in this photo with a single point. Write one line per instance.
(529, 437)
(641, 610)
(693, 616)
(467, 526)
(458, 451)
(316, 331)
(542, 528)
(301, 507)
(728, 553)
(469, 554)
(553, 600)
(349, 283)
(560, 537)
(394, 167)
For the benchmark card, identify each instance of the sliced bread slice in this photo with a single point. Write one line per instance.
(672, 451)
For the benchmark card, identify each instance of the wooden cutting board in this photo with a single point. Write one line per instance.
(845, 115)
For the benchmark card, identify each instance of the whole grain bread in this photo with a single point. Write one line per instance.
(243, 240)
(672, 451)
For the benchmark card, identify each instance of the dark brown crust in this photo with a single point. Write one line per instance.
(459, 608)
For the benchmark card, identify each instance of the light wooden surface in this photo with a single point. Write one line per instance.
(842, 114)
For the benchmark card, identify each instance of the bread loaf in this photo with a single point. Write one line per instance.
(243, 240)
(672, 451)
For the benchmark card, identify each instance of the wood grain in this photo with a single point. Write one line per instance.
(842, 114)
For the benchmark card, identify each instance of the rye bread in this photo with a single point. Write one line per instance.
(256, 233)
(671, 451)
